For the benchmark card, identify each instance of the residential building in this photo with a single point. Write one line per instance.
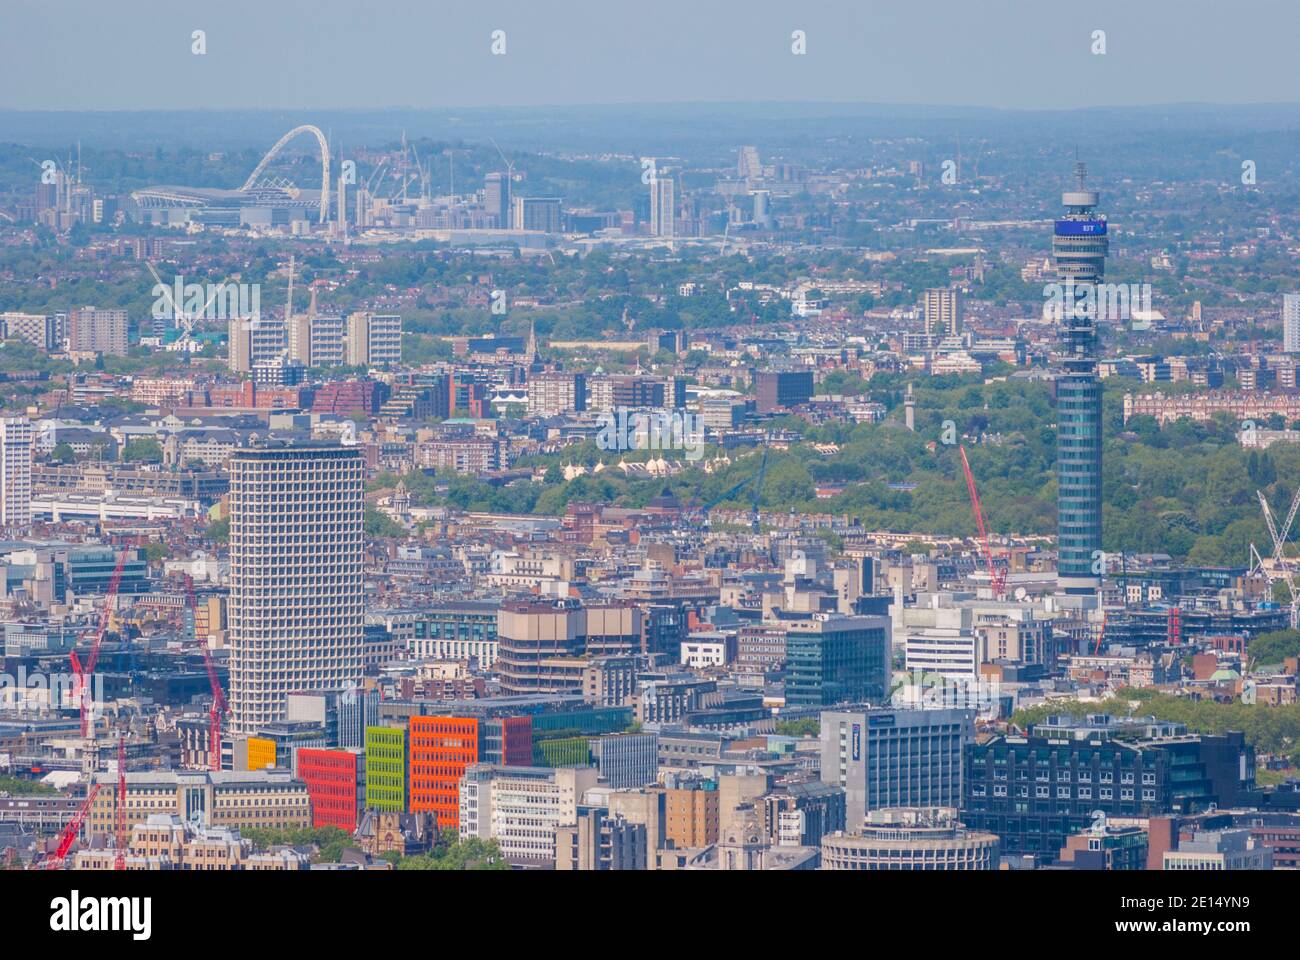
(92, 330)
(16, 439)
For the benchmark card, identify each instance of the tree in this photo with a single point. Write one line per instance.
(147, 450)
(1272, 648)
(803, 727)
(377, 524)
(63, 453)
(471, 854)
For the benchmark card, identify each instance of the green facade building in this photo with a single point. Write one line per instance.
(385, 768)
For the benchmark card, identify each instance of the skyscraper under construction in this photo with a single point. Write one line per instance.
(1079, 245)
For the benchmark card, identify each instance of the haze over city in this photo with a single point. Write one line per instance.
(581, 437)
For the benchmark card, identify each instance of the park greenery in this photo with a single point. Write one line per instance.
(16, 787)
(471, 854)
(1186, 489)
(330, 841)
(1271, 649)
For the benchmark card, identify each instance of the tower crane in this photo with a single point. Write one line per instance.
(1280, 561)
(997, 576)
(1100, 634)
(119, 811)
(83, 673)
(218, 709)
(71, 831)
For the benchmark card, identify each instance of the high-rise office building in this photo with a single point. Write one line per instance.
(835, 659)
(239, 346)
(894, 758)
(296, 594)
(250, 342)
(15, 471)
(300, 339)
(748, 165)
(663, 206)
(1290, 322)
(442, 748)
(1079, 246)
(781, 389)
(942, 307)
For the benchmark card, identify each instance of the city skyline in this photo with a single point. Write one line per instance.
(719, 458)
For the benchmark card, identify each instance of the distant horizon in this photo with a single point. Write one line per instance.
(675, 104)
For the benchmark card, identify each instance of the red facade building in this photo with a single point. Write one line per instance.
(334, 786)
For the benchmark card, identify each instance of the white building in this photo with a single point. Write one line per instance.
(16, 440)
(663, 207)
(520, 807)
(1291, 322)
(951, 652)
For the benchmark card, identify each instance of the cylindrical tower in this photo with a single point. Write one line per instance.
(1079, 246)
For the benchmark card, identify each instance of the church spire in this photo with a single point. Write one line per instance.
(532, 341)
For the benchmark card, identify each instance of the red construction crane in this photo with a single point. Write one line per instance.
(71, 831)
(83, 673)
(1100, 634)
(119, 813)
(997, 576)
(218, 708)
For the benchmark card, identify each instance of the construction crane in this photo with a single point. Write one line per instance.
(183, 319)
(1279, 559)
(1100, 634)
(997, 576)
(119, 812)
(71, 831)
(82, 673)
(218, 709)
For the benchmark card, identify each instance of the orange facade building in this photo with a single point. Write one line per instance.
(440, 750)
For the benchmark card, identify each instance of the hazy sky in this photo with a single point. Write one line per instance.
(330, 54)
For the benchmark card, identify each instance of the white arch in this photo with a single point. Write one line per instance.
(324, 163)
